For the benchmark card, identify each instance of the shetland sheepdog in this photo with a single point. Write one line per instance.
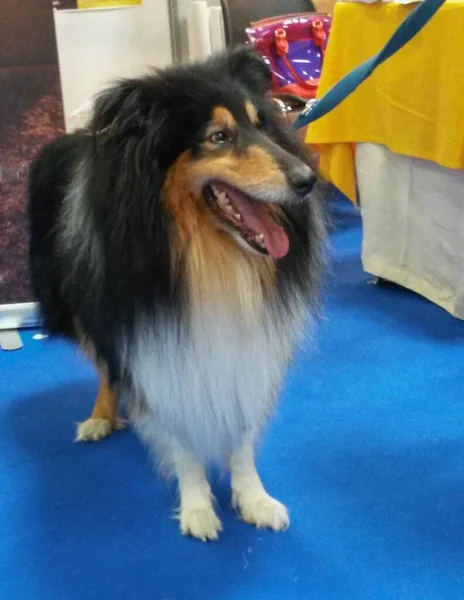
(178, 239)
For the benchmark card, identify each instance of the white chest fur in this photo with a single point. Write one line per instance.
(210, 387)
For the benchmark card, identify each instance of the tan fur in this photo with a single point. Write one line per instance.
(255, 168)
(252, 112)
(216, 267)
(104, 418)
(105, 414)
(221, 116)
(106, 404)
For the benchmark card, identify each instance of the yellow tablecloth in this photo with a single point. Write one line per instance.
(413, 103)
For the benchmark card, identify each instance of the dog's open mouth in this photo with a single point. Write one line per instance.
(249, 217)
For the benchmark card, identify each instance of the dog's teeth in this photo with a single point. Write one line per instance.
(229, 208)
(223, 199)
(237, 217)
(260, 238)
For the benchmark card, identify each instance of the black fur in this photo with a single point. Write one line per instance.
(138, 129)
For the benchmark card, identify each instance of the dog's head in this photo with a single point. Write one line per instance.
(211, 142)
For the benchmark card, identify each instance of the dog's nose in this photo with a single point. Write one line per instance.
(302, 179)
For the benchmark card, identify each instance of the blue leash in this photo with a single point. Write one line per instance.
(414, 22)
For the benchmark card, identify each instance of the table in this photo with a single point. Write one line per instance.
(399, 140)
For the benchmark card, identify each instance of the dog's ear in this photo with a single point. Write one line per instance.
(250, 69)
(124, 106)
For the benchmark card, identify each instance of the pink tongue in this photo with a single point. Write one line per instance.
(257, 219)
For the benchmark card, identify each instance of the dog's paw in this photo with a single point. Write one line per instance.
(201, 523)
(94, 430)
(120, 424)
(263, 511)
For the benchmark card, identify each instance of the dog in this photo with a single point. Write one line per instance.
(178, 238)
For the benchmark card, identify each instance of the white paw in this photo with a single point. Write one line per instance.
(201, 523)
(94, 430)
(263, 511)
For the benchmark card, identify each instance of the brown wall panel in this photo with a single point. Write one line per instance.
(27, 35)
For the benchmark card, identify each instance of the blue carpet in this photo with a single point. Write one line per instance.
(367, 451)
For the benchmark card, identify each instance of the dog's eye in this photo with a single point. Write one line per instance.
(220, 137)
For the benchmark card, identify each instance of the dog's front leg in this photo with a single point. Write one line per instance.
(196, 511)
(250, 498)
